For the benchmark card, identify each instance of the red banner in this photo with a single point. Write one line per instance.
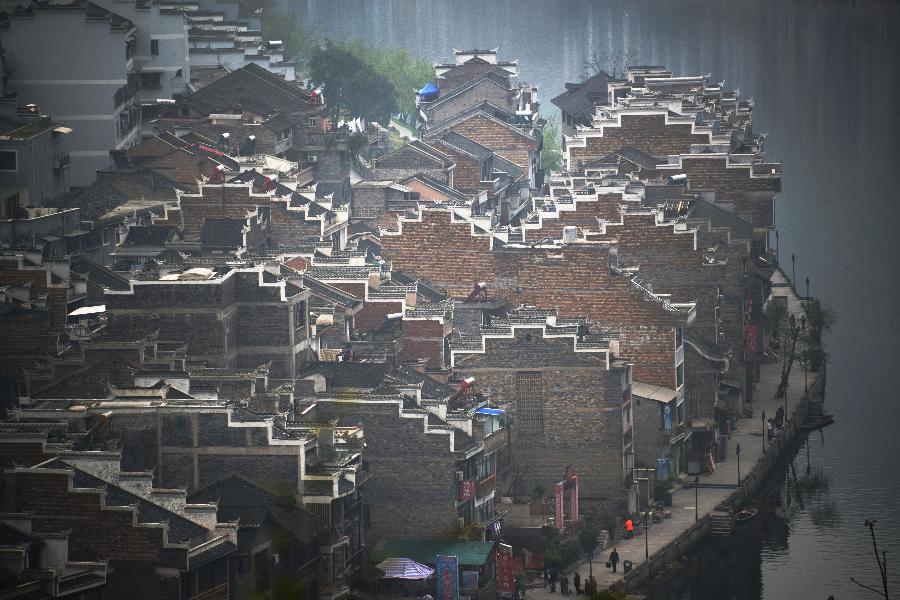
(466, 490)
(506, 573)
(751, 339)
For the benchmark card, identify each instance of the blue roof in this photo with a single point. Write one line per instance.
(489, 411)
(429, 88)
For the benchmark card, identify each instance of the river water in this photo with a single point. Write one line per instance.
(825, 77)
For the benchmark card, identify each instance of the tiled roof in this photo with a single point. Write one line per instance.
(330, 293)
(148, 235)
(340, 272)
(222, 233)
(463, 144)
(578, 100)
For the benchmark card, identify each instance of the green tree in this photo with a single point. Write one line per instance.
(551, 155)
(587, 537)
(351, 88)
(406, 73)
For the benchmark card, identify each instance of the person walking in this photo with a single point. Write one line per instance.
(593, 585)
(553, 576)
(629, 528)
(614, 559)
(564, 585)
(576, 581)
(546, 577)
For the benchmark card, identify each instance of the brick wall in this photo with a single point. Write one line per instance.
(484, 90)
(575, 280)
(467, 174)
(585, 215)
(512, 145)
(644, 132)
(423, 340)
(582, 412)
(412, 473)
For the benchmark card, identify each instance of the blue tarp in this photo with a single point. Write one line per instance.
(489, 411)
(429, 90)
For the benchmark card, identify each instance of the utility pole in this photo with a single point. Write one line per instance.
(647, 535)
(737, 451)
(807, 289)
(764, 431)
(696, 498)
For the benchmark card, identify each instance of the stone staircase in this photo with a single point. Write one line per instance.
(721, 523)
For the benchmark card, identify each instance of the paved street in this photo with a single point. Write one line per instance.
(747, 433)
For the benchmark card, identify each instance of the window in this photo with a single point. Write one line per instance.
(485, 466)
(530, 403)
(299, 315)
(179, 73)
(154, 47)
(109, 235)
(487, 170)
(679, 337)
(679, 376)
(310, 121)
(8, 160)
(151, 81)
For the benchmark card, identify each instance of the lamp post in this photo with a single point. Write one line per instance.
(776, 244)
(793, 269)
(737, 451)
(647, 535)
(807, 289)
(764, 431)
(696, 498)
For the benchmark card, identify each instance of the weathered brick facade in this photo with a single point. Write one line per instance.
(584, 411)
(655, 133)
(235, 320)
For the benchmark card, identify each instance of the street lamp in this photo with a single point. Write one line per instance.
(793, 269)
(696, 498)
(647, 535)
(807, 289)
(764, 431)
(737, 451)
(776, 244)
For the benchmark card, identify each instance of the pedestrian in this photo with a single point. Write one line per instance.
(629, 528)
(593, 583)
(576, 580)
(770, 428)
(554, 575)
(564, 586)
(614, 559)
(546, 577)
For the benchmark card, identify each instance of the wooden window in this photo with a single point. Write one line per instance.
(530, 403)
(154, 47)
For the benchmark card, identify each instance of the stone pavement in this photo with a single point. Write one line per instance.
(748, 434)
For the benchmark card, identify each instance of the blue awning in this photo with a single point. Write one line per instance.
(489, 411)
(429, 88)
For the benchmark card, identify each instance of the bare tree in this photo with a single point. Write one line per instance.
(613, 63)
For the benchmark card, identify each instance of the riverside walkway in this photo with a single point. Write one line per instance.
(748, 433)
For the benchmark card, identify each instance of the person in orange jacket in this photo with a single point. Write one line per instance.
(629, 528)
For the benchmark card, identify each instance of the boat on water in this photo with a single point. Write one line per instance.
(818, 423)
(745, 515)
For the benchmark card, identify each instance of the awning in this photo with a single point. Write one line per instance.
(62, 129)
(471, 554)
(656, 393)
(429, 88)
(88, 310)
(404, 568)
(494, 412)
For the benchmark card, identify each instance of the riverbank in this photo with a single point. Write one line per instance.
(690, 521)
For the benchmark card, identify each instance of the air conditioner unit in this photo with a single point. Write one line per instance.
(460, 475)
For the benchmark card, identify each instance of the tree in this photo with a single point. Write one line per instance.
(551, 154)
(612, 63)
(351, 88)
(587, 537)
(406, 73)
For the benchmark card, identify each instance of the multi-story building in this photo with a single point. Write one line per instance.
(34, 160)
(94, 90)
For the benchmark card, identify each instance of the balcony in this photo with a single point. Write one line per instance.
(486, 485)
